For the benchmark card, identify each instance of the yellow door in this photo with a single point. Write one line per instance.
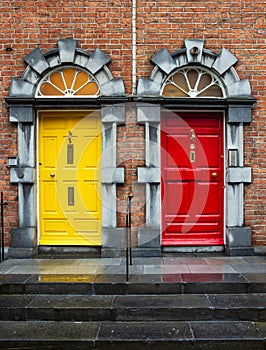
(69, 178)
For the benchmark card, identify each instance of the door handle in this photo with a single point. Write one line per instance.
(52, 174)
(214, 174)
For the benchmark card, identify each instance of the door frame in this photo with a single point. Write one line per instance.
(37, 163)
(237, 102)
(191, 248)
(237, 236)
(24, 104)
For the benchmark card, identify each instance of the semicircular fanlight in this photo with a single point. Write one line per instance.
(68, 82)
(192, 82)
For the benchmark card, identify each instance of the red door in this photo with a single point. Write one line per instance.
(192, 168)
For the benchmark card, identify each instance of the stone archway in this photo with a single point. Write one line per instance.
(235, 101)
(24, 103)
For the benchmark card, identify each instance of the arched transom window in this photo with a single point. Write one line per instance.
(192, 82)
(68, 82)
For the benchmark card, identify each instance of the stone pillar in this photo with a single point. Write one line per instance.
(113, 237)
(149, 237)
(238, 236)
(24, 238)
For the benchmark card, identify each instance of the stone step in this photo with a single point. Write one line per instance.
(180, 307)
(116, 284)
(238, 335)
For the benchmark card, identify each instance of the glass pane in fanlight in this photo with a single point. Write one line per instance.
(192, 75)
(172, 91)
(205, 80)
(56, 79)
(81, 79)
(89, 89)
(69, 74)
(180, 80)
(47, 89)
(212, 91)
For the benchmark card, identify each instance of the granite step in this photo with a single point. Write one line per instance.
(153, 312)
(138, 284)
(180, 307)
(207, 335)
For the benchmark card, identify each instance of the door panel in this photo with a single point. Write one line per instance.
(69, 178)
(192, 168)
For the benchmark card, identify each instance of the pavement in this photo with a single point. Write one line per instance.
(162, 268)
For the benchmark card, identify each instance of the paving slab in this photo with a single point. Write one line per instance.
(100, 262)
(219, 268)
(165, 269)
(184, 261)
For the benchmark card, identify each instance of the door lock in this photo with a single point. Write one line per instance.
(52, 174)
(192, 138)
(214, 174)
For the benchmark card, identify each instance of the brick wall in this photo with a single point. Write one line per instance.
(238, 26)
(131, 155)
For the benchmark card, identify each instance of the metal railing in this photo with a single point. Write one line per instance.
(128, 236)
(2, 205)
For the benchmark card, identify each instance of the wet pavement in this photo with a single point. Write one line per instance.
(167, 268)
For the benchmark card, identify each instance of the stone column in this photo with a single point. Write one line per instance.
(24, 238)
(149, 237)
(238, 236)
(113, 237)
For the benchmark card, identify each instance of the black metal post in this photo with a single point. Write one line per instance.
(126, 241)
(128, 238)
(129, 228)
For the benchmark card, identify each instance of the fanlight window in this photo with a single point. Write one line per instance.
(68, 82)
(192, 82)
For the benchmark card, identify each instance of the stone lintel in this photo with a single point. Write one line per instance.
(113, 114)
(22, 175)
(148, 113)
(23, 114)
(112, 175)
(149, 175)
(239, 175)
(239, 114)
